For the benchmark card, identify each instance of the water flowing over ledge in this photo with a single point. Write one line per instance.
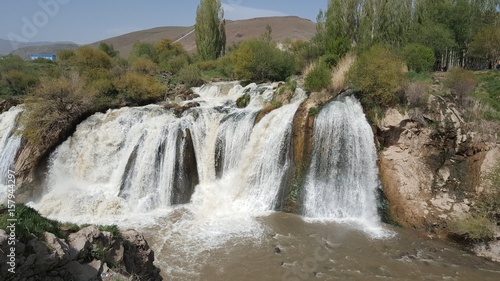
(9, 145)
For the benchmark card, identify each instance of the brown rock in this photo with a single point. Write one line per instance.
(139, 257)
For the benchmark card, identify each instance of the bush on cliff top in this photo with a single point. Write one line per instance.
(378, 75)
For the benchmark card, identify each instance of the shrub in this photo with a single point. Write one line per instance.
(174, 64)
(190, 75)
(461, 82)
(51, 105)
(481, 222)
(330, 60)
(140, 88)
(15, 76)
(144, 50)
(378, 75)
(318, 78)
(18, 82)
(489, 202)
(473, 227)
(260, 60)
(88, 59)
(419, 58)
(103, 90)
(415, 94)
(171, 56)
(145, 66)
(108, 49)
(65, 55)
(306, 52)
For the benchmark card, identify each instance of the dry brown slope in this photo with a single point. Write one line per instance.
(282, 28)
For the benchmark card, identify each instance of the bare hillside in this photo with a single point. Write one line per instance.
(236, 31)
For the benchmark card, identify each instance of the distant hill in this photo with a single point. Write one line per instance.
(25, 52)
(282, 28)
(7, 47)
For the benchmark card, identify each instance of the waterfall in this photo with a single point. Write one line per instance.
(343, 175)
(214, 159)
(136, 160)
(232, 137)
(119, 161)
(250, 184)
(267, 160)
(9, 145)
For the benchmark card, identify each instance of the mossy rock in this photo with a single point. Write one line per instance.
(243, 101)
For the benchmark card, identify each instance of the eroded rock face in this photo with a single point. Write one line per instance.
(432, 161)
(85, 255)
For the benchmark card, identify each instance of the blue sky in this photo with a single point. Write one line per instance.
(87, 21)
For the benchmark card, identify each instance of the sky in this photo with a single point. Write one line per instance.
(88, 21)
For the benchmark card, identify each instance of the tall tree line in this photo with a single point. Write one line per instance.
(446, 26)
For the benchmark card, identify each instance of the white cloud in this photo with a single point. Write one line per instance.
(238, 12)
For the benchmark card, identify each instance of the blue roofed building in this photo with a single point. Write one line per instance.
(51, 57)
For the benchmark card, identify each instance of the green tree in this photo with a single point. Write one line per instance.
(171, 56)
(15, 76)
(486, 44)
(210, 29)
(259, 60)
(419, 58)
(88, 60)
(144, 50)
(108, 49)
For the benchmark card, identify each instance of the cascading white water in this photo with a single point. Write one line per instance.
(232, 137)
(124, 167)
(9, 145)
(267, 160)
(343, 175)
(131, 160)
(252, 186)
(116, 162)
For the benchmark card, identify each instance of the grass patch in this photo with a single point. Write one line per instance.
(31, 223)
(213, 74)
(488, 91)
(274, 105)
(474, 227)
(424, 77)
(314, 111)
(480, 223)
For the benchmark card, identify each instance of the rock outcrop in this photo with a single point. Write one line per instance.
(89, 254)
(6, 104)
(432, 161)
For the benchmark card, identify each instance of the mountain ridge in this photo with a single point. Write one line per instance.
(291, 27)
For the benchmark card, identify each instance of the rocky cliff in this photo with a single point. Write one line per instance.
(432, 161)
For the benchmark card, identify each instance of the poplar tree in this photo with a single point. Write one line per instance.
(210, 29)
